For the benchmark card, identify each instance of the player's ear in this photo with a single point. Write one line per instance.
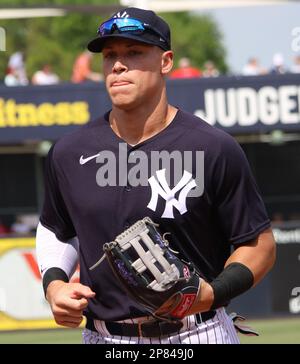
(166, 62)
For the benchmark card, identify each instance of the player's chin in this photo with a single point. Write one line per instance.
(123, 100)
(125, 104)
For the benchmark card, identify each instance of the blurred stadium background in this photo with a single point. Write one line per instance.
(261, 110)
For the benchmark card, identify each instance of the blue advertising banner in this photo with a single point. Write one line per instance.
(239, 105)
(47, 112)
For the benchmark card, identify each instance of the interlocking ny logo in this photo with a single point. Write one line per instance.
(160, 187)
(123, 15)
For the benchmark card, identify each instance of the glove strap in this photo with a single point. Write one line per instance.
(178, 305)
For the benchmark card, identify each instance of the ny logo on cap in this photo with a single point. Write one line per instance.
(123, 15)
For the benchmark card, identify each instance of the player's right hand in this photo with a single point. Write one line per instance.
(67, 301)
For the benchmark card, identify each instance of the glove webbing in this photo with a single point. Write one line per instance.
(150, 259)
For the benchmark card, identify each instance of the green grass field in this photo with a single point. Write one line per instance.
(283, 331)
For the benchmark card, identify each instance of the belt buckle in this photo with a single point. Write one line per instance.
(145, 331)
(149, 323)
(159, 328)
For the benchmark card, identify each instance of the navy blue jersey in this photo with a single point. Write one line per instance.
(204, 195)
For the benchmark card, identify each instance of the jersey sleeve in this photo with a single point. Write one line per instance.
(240, 209)
(55, 214)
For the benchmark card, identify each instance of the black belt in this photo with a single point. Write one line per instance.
(151, 328)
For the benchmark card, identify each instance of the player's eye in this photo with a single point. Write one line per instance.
(134, 52)
(109, 55)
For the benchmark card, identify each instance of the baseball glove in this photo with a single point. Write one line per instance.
(149, 271)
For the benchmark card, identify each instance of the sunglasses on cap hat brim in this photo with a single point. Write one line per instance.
(127, 28)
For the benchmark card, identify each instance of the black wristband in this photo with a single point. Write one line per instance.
(234, 280)
(53, 274)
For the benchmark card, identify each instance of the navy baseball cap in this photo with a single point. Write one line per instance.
(133, 23)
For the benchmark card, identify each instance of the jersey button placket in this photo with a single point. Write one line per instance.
(128, 188)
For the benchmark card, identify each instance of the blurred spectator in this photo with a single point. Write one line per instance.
(45, 76)
(185, 70)
(296, 66)
(210, 70)
(11, 78)
(19, 227)
(253, 68)
(82, 69)
(3, 228)
(278, 64)
(16, 64)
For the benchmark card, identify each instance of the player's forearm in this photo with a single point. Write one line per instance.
(258, 255)
(245, 267)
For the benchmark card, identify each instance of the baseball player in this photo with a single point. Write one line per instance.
(102, 178)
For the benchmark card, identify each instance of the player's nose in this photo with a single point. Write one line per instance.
(119, 66)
